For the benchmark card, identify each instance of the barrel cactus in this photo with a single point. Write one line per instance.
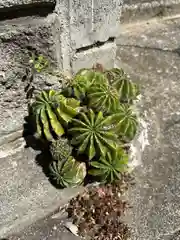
(125, 122)
(115, 74)
(51, 110)
(83, 80)
(92, 134)
(103, 98)
(127, 90)
(69, 173)
(109, 167)
(60, 149)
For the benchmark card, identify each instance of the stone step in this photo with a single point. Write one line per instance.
(51, 228)
(140, 10)
(26, 195)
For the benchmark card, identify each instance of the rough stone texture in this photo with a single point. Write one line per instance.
(25, 192)
(84, 23)
(92, 21)
(49, 228)
(150, 54)
(105, 54)
(136, 1)
(16, 44)
(137, 10)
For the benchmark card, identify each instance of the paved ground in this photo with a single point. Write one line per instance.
(26, 195)
(150, 54)
(47, 229)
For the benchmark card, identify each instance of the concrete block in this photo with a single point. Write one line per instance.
(105, 55)
(91, 21)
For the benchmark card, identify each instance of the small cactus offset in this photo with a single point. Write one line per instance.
(69, 173)
(60, 149)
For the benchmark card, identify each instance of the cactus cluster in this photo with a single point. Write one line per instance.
(90, 119)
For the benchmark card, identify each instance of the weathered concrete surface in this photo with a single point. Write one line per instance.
(83, 24)
(49, 228)
(105, 54)
(18, 40)
(150, 54)
(92, 21)
(26, 195)
(138, 10)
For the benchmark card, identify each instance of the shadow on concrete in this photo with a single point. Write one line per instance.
(43, 159)
(177, 51)
(41, 9)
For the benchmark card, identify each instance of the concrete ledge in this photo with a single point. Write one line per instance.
(105, 54)
(26, 195)
(150, 9)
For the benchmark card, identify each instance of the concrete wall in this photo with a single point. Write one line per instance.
(71, 33)
(83, 24)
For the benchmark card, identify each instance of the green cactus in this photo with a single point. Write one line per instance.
(60, 149)
(109, 167)
(115, 74)
(69, 173)
(51, 110)
(125, 122)
(83, 80)
(92, 134)
(127, 90)
(103, 98)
